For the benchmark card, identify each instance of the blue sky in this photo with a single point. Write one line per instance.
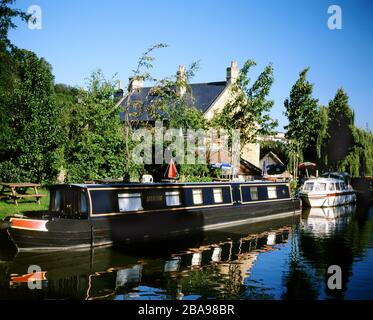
(79, 36)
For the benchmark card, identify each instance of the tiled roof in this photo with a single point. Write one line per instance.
(202, 96)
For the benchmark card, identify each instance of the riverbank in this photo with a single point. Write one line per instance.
(8, 207)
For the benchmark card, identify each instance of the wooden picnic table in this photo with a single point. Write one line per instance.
(17, 191)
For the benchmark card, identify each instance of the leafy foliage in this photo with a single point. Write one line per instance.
(340, 126)
(7, 14)
(31, 122)
(248, 108)
(302, 113)
(95, 147)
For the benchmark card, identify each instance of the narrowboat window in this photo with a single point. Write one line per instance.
(308, 186)
(218, 195)
(320, 187)
(272, 192)
(254, 193)
(129, 202)
(57, 200)
(173, 198)
(331, 187)
(83, 203)
(197, 196)
(337, 185)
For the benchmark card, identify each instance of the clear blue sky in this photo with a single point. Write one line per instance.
(79, 36)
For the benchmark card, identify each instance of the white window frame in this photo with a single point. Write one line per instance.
(218, 195)
(136, 204)
(197, 193)
(272, 192)
(172, 198)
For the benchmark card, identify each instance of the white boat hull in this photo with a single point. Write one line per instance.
(328, 200)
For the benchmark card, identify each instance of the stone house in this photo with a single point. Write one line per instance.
(209, 97)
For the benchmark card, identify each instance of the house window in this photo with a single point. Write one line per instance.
(254, 193)
(129, 202)
(218, 195)
(197, 196)
(173, 198)
(272, 192)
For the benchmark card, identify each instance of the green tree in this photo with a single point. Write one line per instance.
(7, 14)
(302, 113)
(30, 124)
(322, 136)
(359, 160)
(248, 108)
(7, 64)
(95, 147)
(340, 126)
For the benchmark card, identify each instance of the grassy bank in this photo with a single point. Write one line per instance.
(8, 207)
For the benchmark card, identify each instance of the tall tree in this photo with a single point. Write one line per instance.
(95, 145)
(31, 124)
(248, 108)
(7, 14)
(7, 62)
(340, 126)
(301, 111)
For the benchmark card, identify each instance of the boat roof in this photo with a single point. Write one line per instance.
(138, 184)
(323, 179)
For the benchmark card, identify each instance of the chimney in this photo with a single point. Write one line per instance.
(135, 83)
(181, 80)
(119, 93)
(232, 72)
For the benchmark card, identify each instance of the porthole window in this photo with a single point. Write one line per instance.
(218, 195)
(197, 196)
(173, 198)
(129, 202)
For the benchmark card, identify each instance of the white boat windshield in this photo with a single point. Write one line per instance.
(308, 186)
(320, 186)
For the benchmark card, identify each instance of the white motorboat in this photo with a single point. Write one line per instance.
(327, 191)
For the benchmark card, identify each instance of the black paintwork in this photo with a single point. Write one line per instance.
(106, 225)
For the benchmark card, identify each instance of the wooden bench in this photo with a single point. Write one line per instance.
(13, 194)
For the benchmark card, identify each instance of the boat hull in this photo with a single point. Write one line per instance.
(328, 200)
(60, 234)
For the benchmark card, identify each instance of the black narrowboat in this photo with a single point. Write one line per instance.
(84, 215)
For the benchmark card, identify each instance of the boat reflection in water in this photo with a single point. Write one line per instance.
(214, 267)
(327, 220)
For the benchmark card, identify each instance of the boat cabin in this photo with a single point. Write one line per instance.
(324, 185)
(81, 201)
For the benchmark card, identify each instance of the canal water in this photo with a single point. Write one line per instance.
(279, 259)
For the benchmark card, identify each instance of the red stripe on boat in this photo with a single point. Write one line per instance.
(326, 195)
(29, 224)
(30, 277)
